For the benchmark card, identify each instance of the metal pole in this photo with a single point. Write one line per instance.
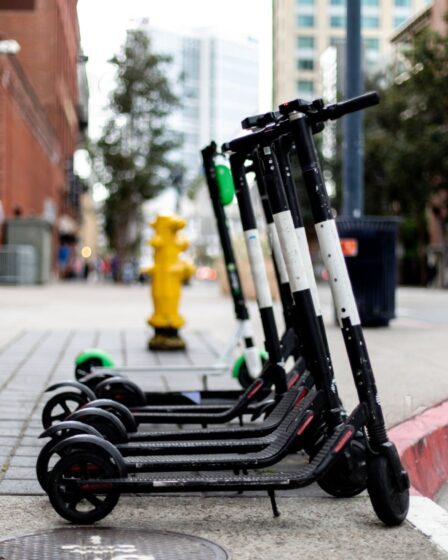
(353, 162)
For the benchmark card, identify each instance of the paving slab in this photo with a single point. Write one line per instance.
(48, 326)
(308, 528)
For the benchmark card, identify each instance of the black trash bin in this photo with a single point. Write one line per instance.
(369, 245)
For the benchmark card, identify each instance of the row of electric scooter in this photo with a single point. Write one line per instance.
(95, 449)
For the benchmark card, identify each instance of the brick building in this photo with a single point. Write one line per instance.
(39, 111)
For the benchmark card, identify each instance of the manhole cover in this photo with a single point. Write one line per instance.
(109, 544)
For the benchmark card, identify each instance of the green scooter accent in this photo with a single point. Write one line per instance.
(240, 371)
(95, 354)
(225, 184)
(92, 357)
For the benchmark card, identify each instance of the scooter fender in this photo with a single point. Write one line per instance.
(91, 380)
(126, 384)
(93, 443)
(69, 425)
(88, 415)
(124, 414)
(83, 389)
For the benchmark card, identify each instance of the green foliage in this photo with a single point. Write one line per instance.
(406, 140)
(406, 137)
(132, 157)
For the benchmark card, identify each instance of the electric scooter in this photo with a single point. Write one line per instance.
(59, 406)
(97, 474)
(248, 365)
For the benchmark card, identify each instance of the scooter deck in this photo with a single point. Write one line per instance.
(225, 481)
(304, 410)
(251, 430)
(192, 401)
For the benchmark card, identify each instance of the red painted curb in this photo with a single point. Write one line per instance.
(422, 442)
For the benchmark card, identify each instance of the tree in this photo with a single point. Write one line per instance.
(133, 154)
(406, 143)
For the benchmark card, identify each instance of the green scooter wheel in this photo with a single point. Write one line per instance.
(241, 372)
(88, 359)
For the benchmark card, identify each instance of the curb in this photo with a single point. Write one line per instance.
(422, 443)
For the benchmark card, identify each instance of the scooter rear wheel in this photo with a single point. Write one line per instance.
(82, 369)
(73, 504)
(47, 459)
(121, 390)
(391, 504)
(60, 406)
(348, 476)
(117, 409)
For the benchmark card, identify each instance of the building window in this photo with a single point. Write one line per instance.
(305, 21)
(370, 2)
(337, 2)
(305, 87)
(399, 20)
(335, 41)
(305, 42)
(403, 3)
(370, 22)
(305, 64)
(337, 21)
(305, 2)
(372, 43)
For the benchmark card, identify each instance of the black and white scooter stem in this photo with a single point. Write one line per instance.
(282, 148)
(330, 247)
(257, 265)
(316, 351)
(245, 331)
(274, 244)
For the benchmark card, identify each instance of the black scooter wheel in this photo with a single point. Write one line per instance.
(243, 375)
(348, 476)
(60, 406)
(47, 459)
(121, 390)
(76, 505)
(117, 409)
(391, 504)
(86, 367)
(91, 380)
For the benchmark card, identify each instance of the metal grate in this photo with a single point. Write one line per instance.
(96, 543)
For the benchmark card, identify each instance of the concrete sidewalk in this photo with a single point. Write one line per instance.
(43, 328)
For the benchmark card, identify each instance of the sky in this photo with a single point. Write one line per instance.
(103, 25)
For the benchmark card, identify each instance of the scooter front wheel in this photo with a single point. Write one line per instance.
(390, 502)
(241, 372)
(78, 505)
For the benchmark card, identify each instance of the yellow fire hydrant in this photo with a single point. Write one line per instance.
(168, 273)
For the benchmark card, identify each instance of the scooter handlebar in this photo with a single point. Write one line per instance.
(247, 143)
(338, 110)
(259, 121)
(317, 112)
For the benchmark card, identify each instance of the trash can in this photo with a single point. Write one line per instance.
(369, 246)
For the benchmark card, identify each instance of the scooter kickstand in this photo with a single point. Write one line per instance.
(271, 494)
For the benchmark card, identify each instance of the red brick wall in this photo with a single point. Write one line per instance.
(49, 40)
(38, 105)
(29, 175)
(30, 169)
